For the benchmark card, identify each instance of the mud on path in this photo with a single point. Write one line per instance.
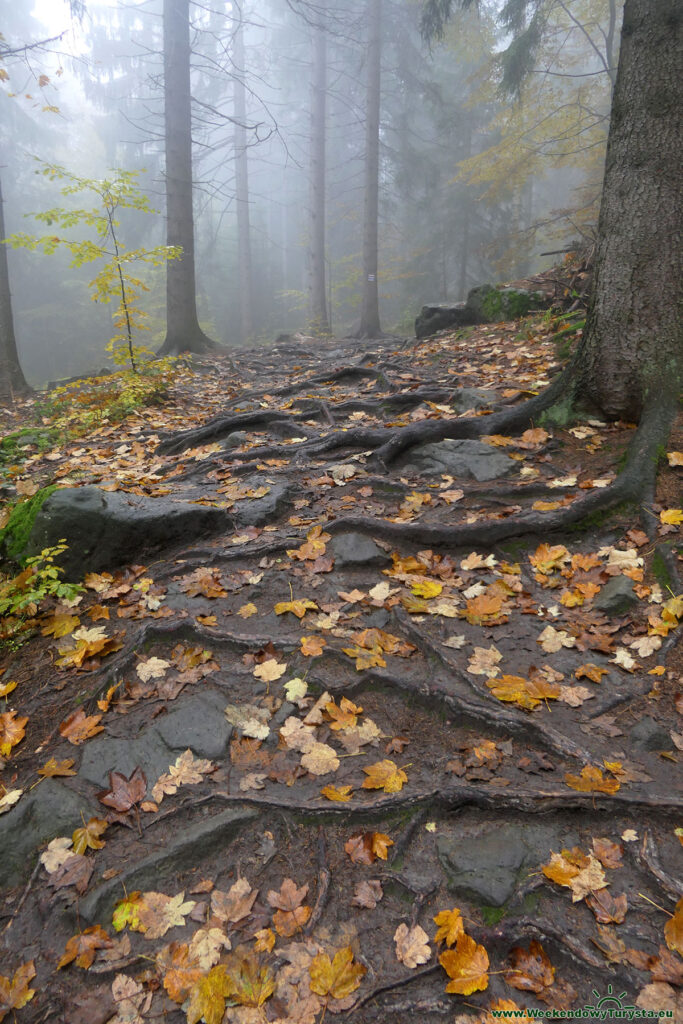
(329, 731)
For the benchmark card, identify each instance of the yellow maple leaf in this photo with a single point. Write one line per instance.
(673, 929)
(591, 780)
(298, 607)
(672, 516)
(341, 794)
(450, 925)
(385, 775)
(269, 670)
(467, 966)
(207, 997)
(426, 588)
(337, 978)
(12, 731)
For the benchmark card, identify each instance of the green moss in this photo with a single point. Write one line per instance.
(661, 572)
(493, 915)
(14, 537)
(596, 520)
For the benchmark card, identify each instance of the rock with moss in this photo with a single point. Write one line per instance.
(485, 305)
(15, 535)
(105, 529)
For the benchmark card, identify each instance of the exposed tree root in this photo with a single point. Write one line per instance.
(628, 487)
(648, 858)
(519, 928)
(324, 877)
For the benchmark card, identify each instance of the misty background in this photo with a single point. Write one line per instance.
(475, 184)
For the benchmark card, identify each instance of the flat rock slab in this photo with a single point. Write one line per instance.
(51, 809)
(354, 549)
(181, 851)
(104, 754)
(486, 862)
(467, 459)
(260, 511)
(197, 722)
(104, 529)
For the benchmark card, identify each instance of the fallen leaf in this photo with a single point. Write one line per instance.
(290, 914)
(320, 759)
(607, 908)
(79, 727)
(337, 978)
(530, 969)
(81, 948)
(12, 731)
(88, 837)
(412, 945)
(591, 780)
(673, 929)
(153, 668)
(341, 794)
(450, 926)
(208, 995)
(159, 913)
(124, 792)
(367, 894)
(467, 966)
(235, 904)
(385, 775)
(15, 991)
(270, 670)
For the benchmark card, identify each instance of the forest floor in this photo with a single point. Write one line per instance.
(360, 774)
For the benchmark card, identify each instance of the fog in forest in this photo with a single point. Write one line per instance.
(476, 182)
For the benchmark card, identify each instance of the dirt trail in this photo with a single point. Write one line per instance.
(397, 727)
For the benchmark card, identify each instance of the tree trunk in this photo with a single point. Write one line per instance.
(632, 348)
(242, 186)
(12, 380)
(183, 333)
(317, 299)
(369, 317)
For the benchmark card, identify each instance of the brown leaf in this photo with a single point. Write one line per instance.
(53, 768)
(367, 894)
(88, 837)
(607, 852)
(76, 871)
(531, 970)
(124, 793)
(81, 948)
(179, 971)
(673, 929)
(607, 908)
(79, 727)
(412, 945)
(11, 731)
(234, 905)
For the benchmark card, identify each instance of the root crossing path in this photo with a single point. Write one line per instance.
(398, 742)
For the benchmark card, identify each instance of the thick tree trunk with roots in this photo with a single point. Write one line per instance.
(633, 345)
(12, 380)
(183, 333)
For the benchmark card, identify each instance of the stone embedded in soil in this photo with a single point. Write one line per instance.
(259, 511)
(236, 439)
(473, 398)
(197, 722)
(616, 597)
(354, 549)
(183, 848)
(111, 753)
(105, 529)
(467, 459)
(487, 861)
(650, 735)
(51, 809)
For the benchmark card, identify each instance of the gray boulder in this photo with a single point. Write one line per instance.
(487, 862)
(468, 459)
(617, 597)
(104, 754)
(197, 722)
(443, 316)
(51, 809)
(354, 549)
(259, 511)
(106, 529)
(473, 398)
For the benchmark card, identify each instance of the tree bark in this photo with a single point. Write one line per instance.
(242, 186)
(12, 380)
(183, 333)
(632, 347)
(369, 318)
(317, 298)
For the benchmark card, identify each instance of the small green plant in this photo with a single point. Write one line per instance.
(114, 279)
(22, 595)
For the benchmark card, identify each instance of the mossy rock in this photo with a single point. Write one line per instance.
(14, 537)
(492, 305)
